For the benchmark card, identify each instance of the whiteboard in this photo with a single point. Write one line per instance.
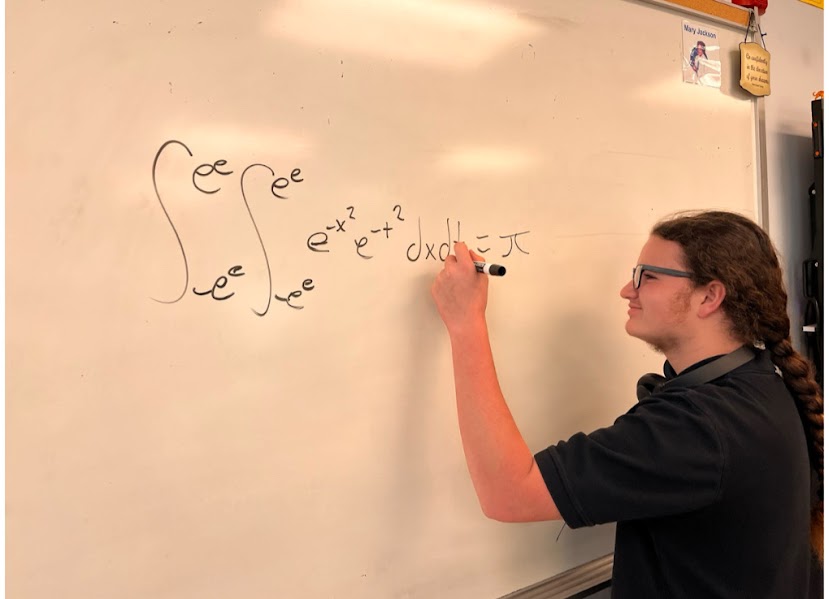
(224, 373)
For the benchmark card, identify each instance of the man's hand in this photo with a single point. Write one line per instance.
(459, 290)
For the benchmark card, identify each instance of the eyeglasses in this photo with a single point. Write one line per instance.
(640, 268)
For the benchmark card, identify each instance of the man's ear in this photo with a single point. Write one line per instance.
(713, 295)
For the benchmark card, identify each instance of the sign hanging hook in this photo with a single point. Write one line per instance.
(754, 27)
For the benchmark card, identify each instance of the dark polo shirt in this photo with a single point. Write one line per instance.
(709, 486)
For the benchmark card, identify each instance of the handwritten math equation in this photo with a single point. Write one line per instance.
(319, 241)
(365, 241)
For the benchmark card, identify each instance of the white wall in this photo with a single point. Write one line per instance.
(795, 39)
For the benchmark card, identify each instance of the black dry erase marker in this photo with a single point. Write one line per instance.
(496, 270)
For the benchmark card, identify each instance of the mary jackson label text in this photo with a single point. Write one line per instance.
(699, 31)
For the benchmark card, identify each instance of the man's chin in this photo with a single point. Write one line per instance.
(658, 345)
(631, 329)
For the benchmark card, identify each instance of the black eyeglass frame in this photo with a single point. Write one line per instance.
(640, 268)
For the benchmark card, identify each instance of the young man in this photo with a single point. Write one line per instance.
(709, 483)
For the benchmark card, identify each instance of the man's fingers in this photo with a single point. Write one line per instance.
(462, 252)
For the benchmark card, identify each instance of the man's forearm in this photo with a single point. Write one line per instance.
(506, 478)
(498, 459)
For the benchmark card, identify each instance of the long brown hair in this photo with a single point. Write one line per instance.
(734, 250)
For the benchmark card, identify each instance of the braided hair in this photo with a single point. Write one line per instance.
(733, 249)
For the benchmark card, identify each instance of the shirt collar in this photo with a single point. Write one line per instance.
(671, 373)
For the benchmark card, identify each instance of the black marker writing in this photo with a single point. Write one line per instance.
(307, 285)
(206, 179)
(281, 183)
(211, 168)
(430, 247)
(320, 238)
(387, 229)
(258, 235)
(198, 178)
(316, 240)
(178, 238)
(360, 245)
(221, 283)
(513, 239)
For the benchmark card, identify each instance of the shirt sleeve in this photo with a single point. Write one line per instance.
(663, 457)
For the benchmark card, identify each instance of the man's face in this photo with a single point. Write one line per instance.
(660, 310)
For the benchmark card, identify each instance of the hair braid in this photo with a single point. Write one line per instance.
(799, 376)
(756, 304)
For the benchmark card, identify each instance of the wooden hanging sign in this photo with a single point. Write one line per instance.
(755, 69)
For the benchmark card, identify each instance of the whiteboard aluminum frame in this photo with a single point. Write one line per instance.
(569, 583)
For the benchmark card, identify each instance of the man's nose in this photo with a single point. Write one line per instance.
(628, 292)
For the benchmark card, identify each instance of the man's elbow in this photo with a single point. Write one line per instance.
(505, 516)
(519, 511)
(498, 513)
(524, 500)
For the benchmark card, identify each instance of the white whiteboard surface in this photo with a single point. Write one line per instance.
(194, 449)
